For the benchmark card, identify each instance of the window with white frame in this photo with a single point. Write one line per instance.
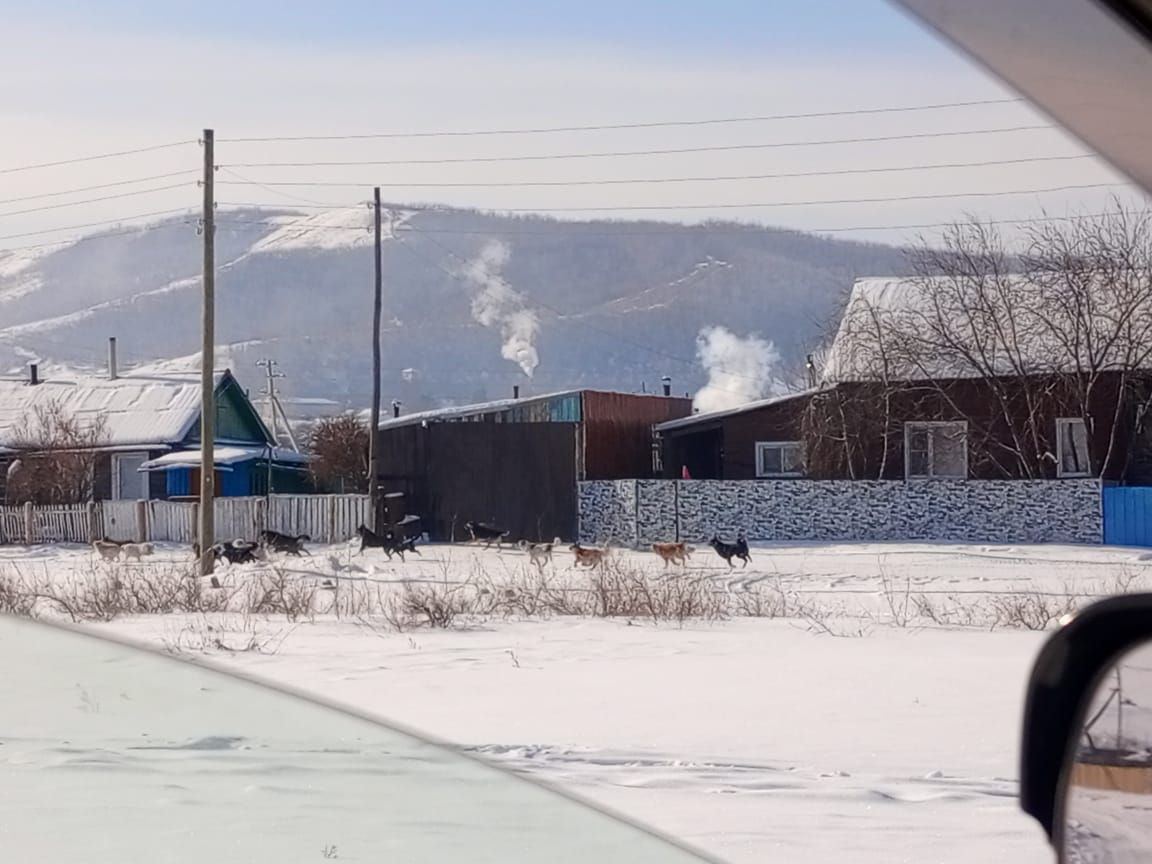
(779, 459)
(1072, 448)
(936, 450)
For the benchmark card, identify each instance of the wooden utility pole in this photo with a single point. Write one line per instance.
(374, 426)
(208, 364)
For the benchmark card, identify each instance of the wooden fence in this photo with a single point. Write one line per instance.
(324, 518)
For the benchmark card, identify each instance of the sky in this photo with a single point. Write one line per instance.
(92, 77)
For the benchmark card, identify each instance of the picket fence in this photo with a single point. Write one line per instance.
(324, 518)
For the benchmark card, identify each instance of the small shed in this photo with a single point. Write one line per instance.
(759, 439)
(516, 462)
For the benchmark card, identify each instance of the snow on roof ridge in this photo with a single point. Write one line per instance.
(708, 416)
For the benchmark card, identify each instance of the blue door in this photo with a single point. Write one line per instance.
(1128, 515)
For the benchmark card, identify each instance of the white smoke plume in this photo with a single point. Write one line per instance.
(740, 369)
(498, 304)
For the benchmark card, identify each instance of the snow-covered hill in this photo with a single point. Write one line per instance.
(471, 300)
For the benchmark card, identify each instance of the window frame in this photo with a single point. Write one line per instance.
(782, 475)
(1061, 423)
(929, 425)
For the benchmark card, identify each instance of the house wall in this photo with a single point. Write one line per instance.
(1006, 511)
(991, 441)
(726, 449)
(618, 432)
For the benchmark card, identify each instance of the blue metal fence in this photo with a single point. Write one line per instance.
(1128, 515)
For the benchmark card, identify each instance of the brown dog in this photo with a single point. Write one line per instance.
(673, 553)
(587, 556)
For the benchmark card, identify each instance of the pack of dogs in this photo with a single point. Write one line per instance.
(540, 554)
(112, 550)
(673, 554)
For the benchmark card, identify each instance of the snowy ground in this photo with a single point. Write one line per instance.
(852, 726)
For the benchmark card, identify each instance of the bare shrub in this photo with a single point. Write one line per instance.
(436, 604)
(897, 598)
(620, 591)
(759, 603)
(14, 598)
(276, 593)
(57, 459)
(1031, 610)
(242, 635)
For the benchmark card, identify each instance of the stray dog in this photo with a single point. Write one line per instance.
(673, 553)
(539, 554)
(588, 556)
(728, 551)
(390, 543)
(136, 551)
(278, 542)
(108, 550)
(486, 534)
(235, 552)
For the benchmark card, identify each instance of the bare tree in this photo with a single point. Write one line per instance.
(1009, 341)
(339, 447)
(1093, 281)
(56, 461)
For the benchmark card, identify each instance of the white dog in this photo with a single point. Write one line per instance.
(540, 554)
(136, 551)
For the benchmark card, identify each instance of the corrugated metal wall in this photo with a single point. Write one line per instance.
(618, 432)
(1128, 515)
(518, 476)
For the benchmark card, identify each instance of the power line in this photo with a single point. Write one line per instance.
(78, 189)
(132, 194)
(73, 241)
(268, 187)
(662, 152)
(457, 133)
(836, 172)
(119, 221)
(577, 228)
(97, 156)
(283, 206)
(931, 196)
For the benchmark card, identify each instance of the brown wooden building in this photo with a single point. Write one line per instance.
(1013, 428)
(515, 463)
(758, 440)
(950, 429)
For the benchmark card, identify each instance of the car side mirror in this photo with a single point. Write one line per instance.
(1086, 759)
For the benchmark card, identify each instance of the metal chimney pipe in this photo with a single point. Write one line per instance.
(395, 407)
(667, 385)
(515, 391)
(113, 371)
(33, 374)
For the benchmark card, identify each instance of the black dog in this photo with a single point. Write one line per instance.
(728, 551)
(278, 542)
(235, 552)
(390, 543)
(486, 534)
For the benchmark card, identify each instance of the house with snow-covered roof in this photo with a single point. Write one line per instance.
(988, 376)
(979, 376)
(144, 431)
